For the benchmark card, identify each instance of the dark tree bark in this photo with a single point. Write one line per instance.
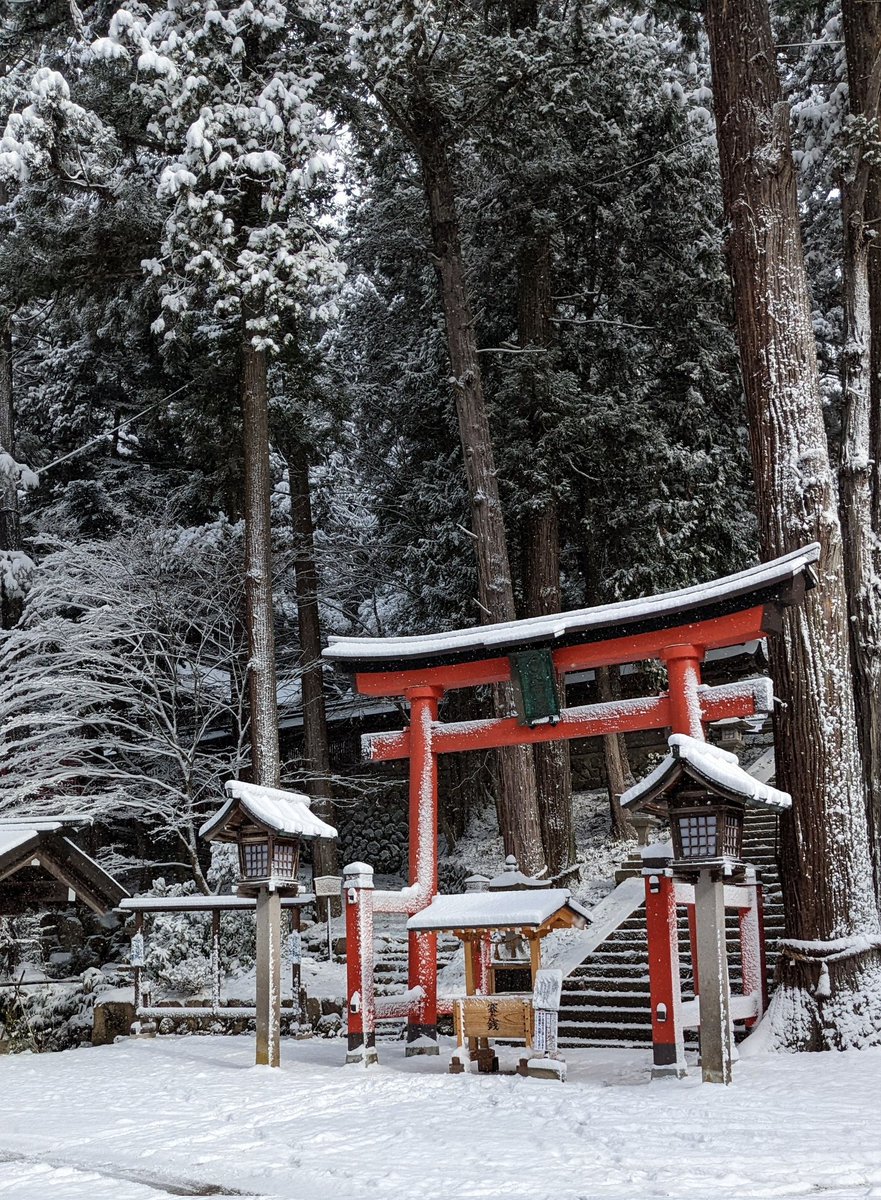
(325, 856)
(10, 521)
(619, 777)
(518, 804)
(861, 435)
(826, 870)
(265, 762)
(541, 536)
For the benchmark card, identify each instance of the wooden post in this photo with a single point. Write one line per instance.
(215, 960)
(139, 929)
(422, 947)
(668, 1043)
(752, 946)
(692, 941)
(268, 977)
(716, 1037)
(358, 905)
(296, 968)
(534, 957)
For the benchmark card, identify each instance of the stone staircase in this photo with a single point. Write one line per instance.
(606, 1000)
(390, 969)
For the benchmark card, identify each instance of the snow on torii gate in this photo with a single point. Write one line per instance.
(676, 628)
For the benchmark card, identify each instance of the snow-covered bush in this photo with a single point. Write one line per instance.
(178, 945)
(54, 1016)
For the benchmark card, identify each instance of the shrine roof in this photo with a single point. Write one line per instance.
(496, 910)
(777, 582)
(710, 766)
(277, 811)
(42, 840)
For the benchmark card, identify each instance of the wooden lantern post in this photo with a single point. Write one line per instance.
(268, 826)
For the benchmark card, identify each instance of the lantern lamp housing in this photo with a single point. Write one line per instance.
(705, 827)
(705, 792)
(268, 825)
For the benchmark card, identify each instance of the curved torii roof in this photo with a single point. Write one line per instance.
(777, 583)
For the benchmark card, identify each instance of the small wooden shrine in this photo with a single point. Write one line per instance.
(41, 867)
(502, 933)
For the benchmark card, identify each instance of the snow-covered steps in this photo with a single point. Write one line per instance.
(390, 966)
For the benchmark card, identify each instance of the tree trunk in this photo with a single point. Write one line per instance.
(10, 522)
(619, 777)
(518, 804)
(316, 750)
(541, 538)
(265, 763)
(826, 869)
(858, 477)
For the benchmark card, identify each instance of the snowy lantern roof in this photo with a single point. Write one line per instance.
(512, 879)
(705, 791)
(708, 766)
(268, 825)
(269, 810)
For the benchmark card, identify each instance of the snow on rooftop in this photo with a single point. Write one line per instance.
(11, 839)
(199, 903)
(557, 625)
(477, 910)
(284, 812)
(715, 766)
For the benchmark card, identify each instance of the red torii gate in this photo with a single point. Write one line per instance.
(677, 628)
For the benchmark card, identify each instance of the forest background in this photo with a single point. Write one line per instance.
(473, 257)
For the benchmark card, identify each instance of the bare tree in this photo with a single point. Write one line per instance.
(122, 692)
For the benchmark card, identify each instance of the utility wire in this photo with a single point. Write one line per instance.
(102, 437)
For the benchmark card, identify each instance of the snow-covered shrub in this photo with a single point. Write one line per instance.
(178, 945)
(54, 1016)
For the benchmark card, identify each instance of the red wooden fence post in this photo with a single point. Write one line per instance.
(668, 1044)
(358, 902)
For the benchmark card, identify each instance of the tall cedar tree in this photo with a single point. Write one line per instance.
(831, 915)
(408, 76)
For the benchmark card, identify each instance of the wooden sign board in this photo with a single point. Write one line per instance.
(495, 1017)
(327, 885)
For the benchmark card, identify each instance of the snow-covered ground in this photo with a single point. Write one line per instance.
(144, 1120)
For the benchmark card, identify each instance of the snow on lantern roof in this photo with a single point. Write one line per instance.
(716, 769)
(497, 910)
(276, 811)
(764, 583)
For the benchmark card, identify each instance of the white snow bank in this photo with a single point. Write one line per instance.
(98, 1124)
